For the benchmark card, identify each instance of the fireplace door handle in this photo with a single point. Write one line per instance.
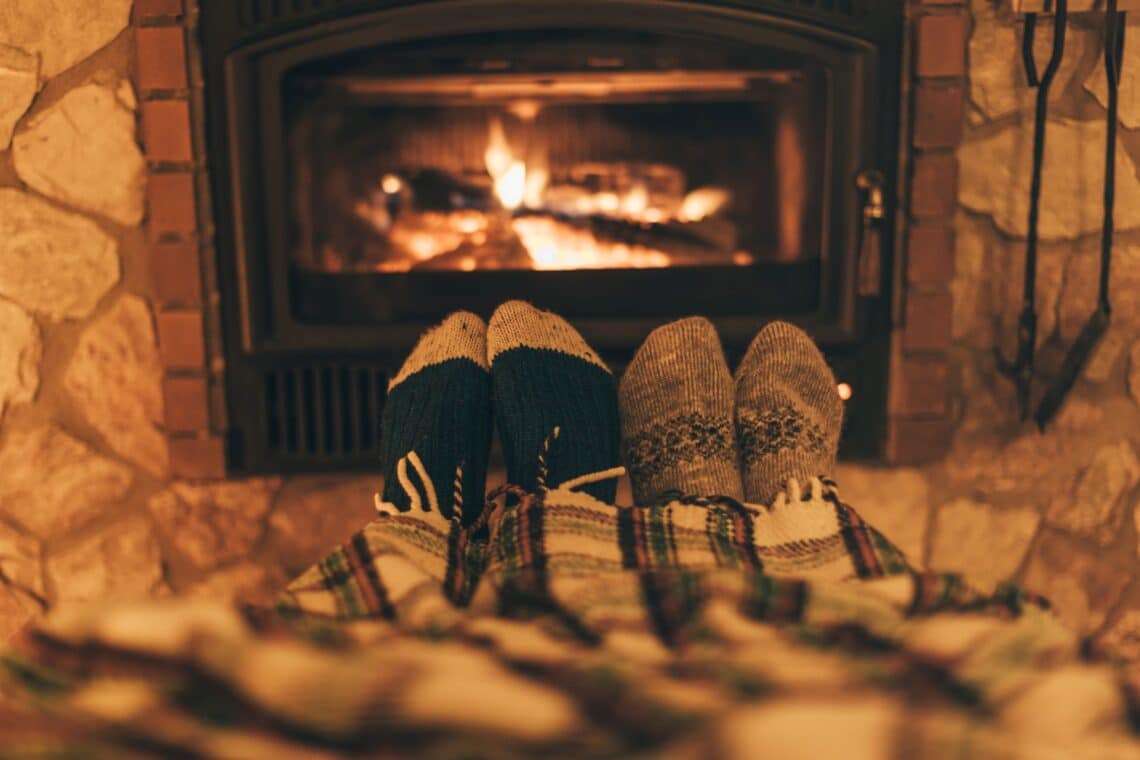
(873, 217)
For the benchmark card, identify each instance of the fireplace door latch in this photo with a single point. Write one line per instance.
(870, 262)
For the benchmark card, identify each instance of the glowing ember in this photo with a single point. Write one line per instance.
(391, 184)
(497, 157)
(588, 215)
(552, 245)
(703, 203)
(511, 186)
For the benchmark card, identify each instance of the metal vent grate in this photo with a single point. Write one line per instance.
(324, 411)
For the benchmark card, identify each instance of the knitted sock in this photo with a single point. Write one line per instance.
(544, 377)
(788, 412)
(435, 431)
(676, 415)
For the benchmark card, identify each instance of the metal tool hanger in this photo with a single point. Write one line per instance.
(1021, 368)
(1097, 324)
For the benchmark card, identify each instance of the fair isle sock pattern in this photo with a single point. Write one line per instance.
(435, 431)
(788, 412)
(545, 376)
(676, 401)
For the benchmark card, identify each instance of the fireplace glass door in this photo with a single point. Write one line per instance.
(378, 164)
(597, 153)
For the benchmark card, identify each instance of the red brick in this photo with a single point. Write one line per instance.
(170, 204)
(166, 130)
(929, 319)
(148, 9)
(920, 387)
(160, 57)
(176, 272)
(180, 342)
(917, 440)
(938, 116)
(941, 46)
(197, 458)
(187, 403)
(930, 253)
(934, 185)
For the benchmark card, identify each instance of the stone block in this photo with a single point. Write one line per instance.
(996, 170)
(314, 515)
(53, 262)
(20, 353)
(62, 33)
(217, 523)
(81, 150)
(19, 83)
(115, 380)
(54, 483)
(980, 540)
(1082, 587)
(120, 563)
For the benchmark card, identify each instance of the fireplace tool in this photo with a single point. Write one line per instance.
(1097, 323)
(1021, 368)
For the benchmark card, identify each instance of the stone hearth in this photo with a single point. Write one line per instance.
(110, 421)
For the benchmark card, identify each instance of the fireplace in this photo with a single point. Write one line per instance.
(376, 165)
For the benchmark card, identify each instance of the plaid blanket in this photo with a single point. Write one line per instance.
(561, 626)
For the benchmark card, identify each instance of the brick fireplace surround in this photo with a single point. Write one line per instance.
(111, 413)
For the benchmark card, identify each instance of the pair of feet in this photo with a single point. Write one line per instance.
(690, 425)
(685, 423)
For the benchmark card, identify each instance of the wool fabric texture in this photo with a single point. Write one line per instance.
(788, 412)
(437, 421)
(555, 401)
(676, 402)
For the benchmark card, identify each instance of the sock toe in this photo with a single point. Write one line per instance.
(436, 425)
(518, 324)
(676, 400)
(546, 376)
(788, 411)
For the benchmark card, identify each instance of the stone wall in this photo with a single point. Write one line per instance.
(1058, 511)
(88, 506)
(90, 509)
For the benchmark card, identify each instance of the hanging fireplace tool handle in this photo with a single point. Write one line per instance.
(1021, 368)
(1097, 324)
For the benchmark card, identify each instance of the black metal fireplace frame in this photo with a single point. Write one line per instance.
(306, 397)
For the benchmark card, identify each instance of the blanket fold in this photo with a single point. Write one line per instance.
(558, 625)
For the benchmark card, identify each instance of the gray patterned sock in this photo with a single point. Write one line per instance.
(788, 412)
(676, 415)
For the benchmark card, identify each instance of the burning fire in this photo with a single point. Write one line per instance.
(587, 216)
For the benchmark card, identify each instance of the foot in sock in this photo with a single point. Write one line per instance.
(435, 431)
(544, 376)
(788, 412)
(676, 401)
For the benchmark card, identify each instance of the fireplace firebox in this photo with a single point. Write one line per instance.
(376, 165)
